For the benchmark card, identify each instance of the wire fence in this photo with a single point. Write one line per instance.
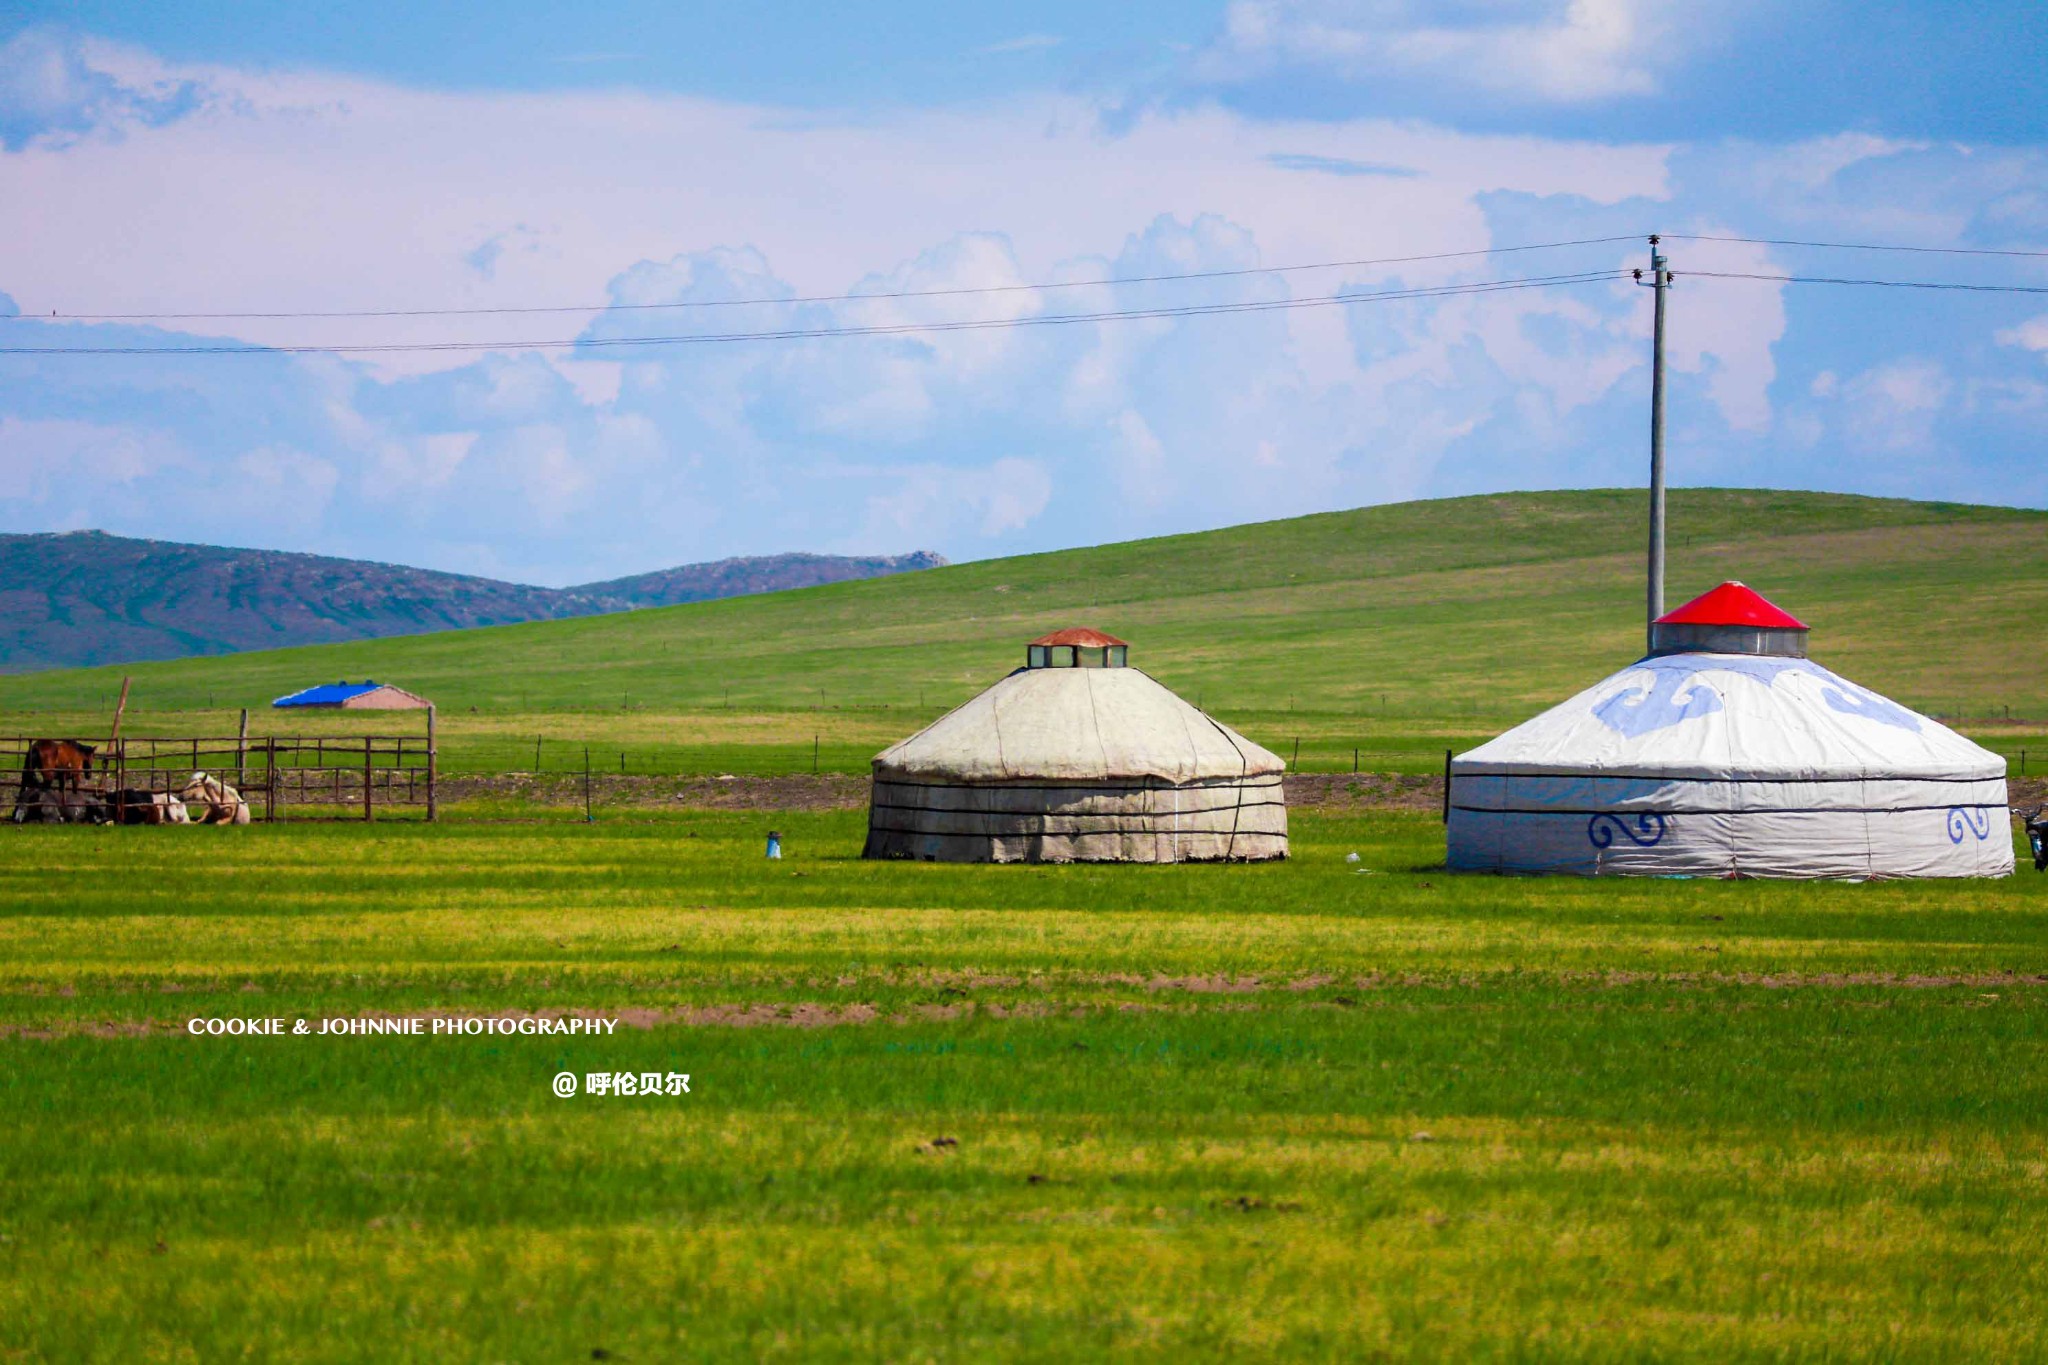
(362, 775)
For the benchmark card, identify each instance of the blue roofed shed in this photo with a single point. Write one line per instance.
(367, 695)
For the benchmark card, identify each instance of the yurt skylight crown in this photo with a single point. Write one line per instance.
(1077, 647)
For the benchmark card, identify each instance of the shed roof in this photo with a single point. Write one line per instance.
(1732, 604)
(328, 694)
(1083, 636)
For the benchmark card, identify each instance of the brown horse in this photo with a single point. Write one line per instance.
(58, 765)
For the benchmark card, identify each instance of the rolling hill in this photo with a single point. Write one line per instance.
(1479, 606)
(85, 597)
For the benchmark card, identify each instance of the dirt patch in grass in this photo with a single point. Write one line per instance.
(812, 1014)
(788, 791)
(1335, 793)
(1338, 792)
(89, 1028)
(1343, 792)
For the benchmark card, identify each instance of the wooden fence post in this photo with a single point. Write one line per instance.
(1447, 786)
(270, 811)
(242, 751)
(433, 810)
(368, 774)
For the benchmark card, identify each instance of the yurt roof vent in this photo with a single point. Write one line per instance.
(1077, 647)
(1730, 619)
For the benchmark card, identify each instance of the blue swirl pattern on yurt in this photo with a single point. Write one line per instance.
(1968, 820)
(1678, 690)
(1672, 696)
(1648, 829)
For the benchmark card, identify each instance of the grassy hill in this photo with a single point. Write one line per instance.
(1388, 627)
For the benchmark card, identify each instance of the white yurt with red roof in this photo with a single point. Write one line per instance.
(1728, 753)
(1077, 757)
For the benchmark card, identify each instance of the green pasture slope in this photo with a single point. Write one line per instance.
(1394, 631)
(1316, 1110)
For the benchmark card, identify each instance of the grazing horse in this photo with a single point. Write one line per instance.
(224, 805)
(57, 765)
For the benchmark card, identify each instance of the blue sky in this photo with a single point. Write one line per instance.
(179, 158)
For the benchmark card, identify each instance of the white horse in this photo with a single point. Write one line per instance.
(224, 805)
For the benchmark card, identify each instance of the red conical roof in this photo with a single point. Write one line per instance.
(1732, 604)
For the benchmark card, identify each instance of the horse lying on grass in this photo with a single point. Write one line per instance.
(217, 804)
(58, 806)
(130, 806)
(146, 808)
(224, 805)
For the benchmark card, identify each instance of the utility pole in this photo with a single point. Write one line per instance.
(1660, 281)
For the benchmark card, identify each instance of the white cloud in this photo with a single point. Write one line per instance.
(2030, 335)
(56, 87)
(46, 459)
(1004, 496)
(1894, 407)
(1729, 331)
(1141, 470)
(280, 483)
(1015, 492)
(1027, 42)
(648, 216)
(1548, 51)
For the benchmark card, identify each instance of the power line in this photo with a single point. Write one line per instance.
(988, 324)
(558, 309)
(1878, 284)
(1853, 246)
(887, 329)
(816, 298)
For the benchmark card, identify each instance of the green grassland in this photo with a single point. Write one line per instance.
(1394, 631)
(1312, 1110)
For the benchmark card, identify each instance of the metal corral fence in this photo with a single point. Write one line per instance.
(273, 773)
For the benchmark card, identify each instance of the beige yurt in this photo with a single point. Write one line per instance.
(1077, 757)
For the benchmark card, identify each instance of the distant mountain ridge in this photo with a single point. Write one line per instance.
(78, 598)
(745, 577)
